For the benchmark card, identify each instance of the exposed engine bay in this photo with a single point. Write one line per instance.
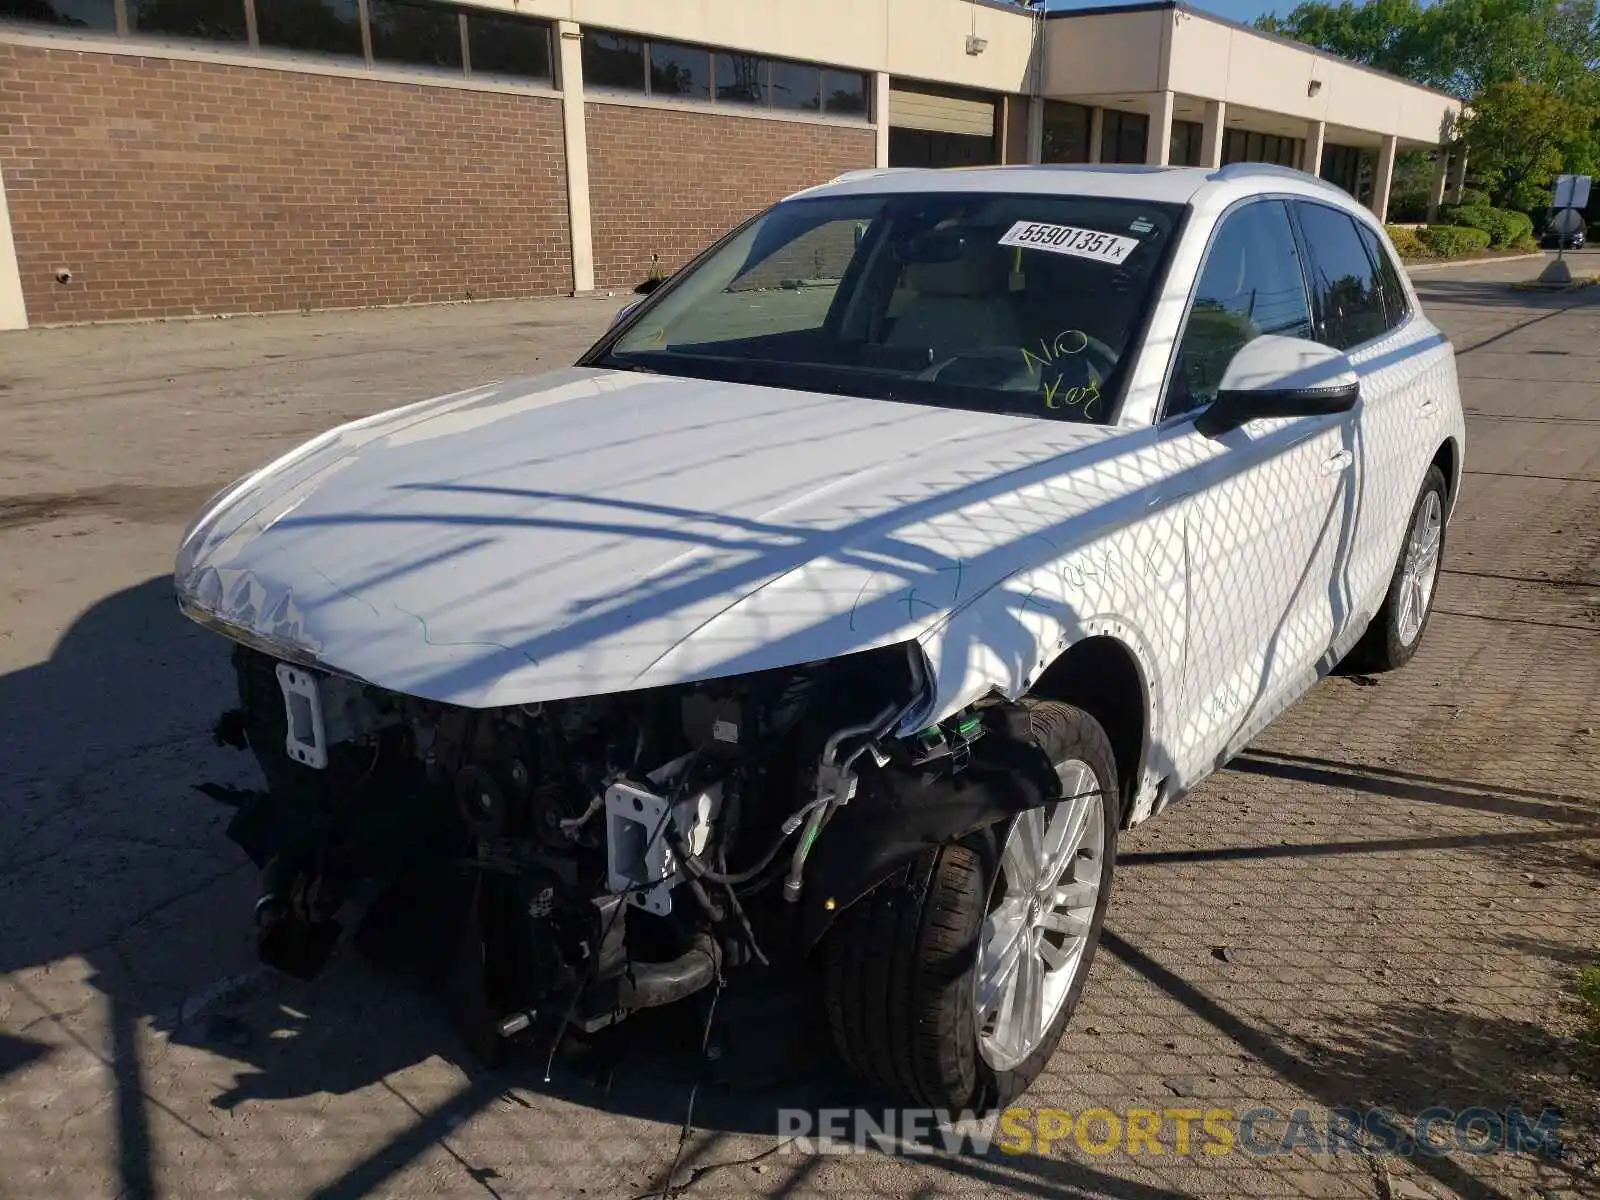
(591, 856)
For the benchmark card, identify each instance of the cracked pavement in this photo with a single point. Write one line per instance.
(1382, 902)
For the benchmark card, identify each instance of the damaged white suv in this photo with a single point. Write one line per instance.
(837, 610)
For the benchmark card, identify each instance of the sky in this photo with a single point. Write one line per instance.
(1235, 10)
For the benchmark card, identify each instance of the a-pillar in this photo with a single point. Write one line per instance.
(1158, 142)
(1383, 176)
(1097, 132)
(880, 115)
(576, 136)
(1211, 134)
(1440, 177)
(1316, 135)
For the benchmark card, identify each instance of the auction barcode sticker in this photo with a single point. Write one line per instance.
(1066, 239)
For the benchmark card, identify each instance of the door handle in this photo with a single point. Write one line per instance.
(1335, 463)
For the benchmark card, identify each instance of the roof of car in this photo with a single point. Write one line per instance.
(1172, 185)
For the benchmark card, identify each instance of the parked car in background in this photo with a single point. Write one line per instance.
(843, 603)
(1554, 239)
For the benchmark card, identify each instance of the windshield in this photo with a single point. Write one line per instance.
(1024, 304)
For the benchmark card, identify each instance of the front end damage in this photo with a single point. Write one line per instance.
(567, 863)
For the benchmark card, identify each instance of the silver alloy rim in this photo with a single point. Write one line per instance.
(1422, 567)
(1033, 940)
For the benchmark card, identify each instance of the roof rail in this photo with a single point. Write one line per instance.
(1239, 170)
(869, 172)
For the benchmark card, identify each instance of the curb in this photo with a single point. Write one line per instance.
(1412, 269)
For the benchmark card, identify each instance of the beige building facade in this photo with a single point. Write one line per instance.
(217, 157)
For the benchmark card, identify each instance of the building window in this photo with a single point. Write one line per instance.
(419, 34)
(1123, 136)
(1185, 148)
(611, 60)
(319, 26)
(797, 86)
(1349, 168)
(202, 20)
(615, 62)
(741, 78)
(680, 71)
(68, 14)
(1066, 133)
(844, 92)
(511, 46)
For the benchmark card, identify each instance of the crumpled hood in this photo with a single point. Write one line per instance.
(595, 531)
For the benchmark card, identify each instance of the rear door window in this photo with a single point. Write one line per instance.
(1345, 291)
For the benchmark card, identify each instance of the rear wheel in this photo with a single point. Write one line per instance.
(1396, 630)
(952, 984)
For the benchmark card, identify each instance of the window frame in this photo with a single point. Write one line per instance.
(1356, 222)
(1163, 418)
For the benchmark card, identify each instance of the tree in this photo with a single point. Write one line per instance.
(1460, 46)
(1528, 69)
(1521, 136)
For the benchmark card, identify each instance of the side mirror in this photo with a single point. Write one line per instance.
(1276, 376)
(624, 311)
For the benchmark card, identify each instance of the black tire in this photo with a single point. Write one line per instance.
(1381, 647)
(899, 963)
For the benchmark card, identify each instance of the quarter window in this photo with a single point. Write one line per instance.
(1395, 306)
(1251, 285)
(1344, 284)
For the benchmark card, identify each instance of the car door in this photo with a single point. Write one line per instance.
(1265, 505)
(1362, 308)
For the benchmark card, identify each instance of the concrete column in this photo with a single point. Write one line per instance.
(1316, 134)
(1158, 139)
(1383, 176)
(1211, 133)
(1036, 129)
(1440, 176)
(1097, 129)
(577, 142)
(880, 114)
(1461, 172)
(13, 312)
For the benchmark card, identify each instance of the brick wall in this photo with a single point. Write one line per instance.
(669, 183)
(171, 188)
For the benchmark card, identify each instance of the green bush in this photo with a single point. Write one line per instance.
(1504, 226)
(1407, 244)
(1525, 243)
(1453, 241)
(1473, 198)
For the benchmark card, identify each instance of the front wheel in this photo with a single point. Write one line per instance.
(952, 985)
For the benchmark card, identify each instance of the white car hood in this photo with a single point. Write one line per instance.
(593, 531)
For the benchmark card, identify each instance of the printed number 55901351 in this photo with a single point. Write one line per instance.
(1069, 239)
